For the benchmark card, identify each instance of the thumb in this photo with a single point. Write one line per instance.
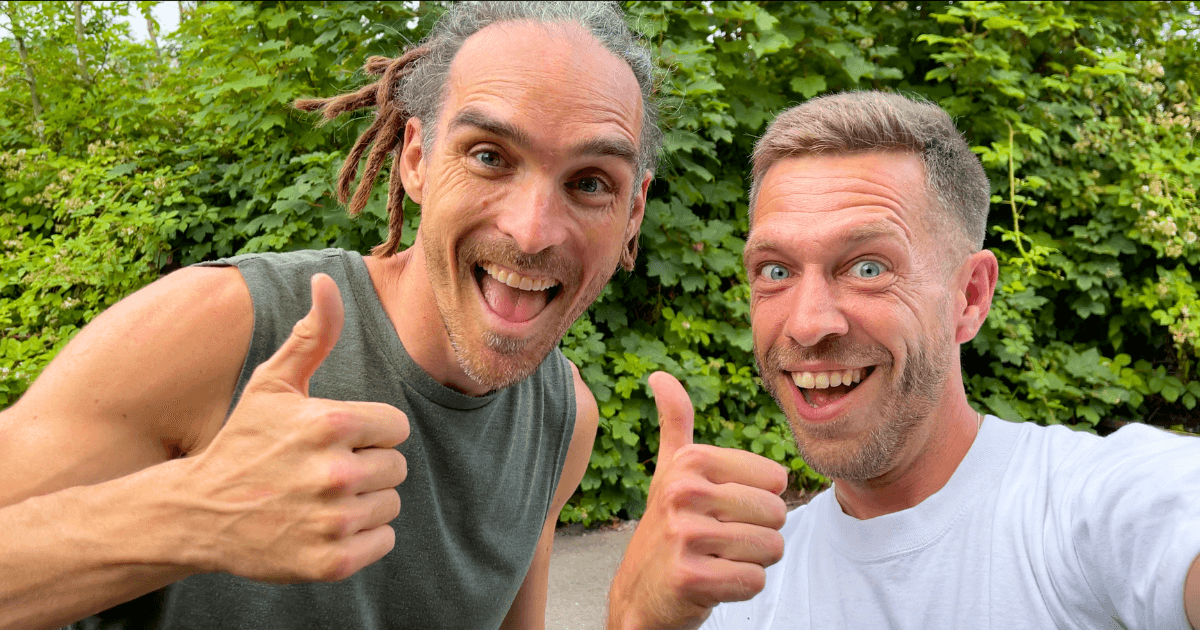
(676, 417)
(312, 338)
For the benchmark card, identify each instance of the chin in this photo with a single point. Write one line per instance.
(502, 361)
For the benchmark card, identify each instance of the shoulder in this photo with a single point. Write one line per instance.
(146, 381)
(587, 413)
(583, 437)
(1062, 451)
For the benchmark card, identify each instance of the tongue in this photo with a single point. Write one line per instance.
(822, 397)
(512, 304)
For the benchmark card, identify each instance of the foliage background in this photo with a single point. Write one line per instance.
(123, 160)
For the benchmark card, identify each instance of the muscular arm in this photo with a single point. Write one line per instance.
(1191, 594)
(85, 453)
(529, 608)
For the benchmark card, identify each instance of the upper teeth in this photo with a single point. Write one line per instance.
(822, 380)
(516, 280)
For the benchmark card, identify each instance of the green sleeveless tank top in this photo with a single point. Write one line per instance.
(481, 477)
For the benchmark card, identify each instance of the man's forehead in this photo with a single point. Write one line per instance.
(549, 86)
(529, 52)
(847, 199)
(875, 170)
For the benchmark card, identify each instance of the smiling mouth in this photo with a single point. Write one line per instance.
(822, 388)
(513, 296)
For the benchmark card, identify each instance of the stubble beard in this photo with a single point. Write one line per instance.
(905, 405)
(497, 361)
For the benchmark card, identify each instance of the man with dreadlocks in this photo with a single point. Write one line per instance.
(239, 435)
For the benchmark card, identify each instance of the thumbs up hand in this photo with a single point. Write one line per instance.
(709, 531)
(295, 488)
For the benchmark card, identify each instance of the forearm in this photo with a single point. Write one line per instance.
(76, 552)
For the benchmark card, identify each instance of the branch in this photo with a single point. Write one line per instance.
(83, 72)
(30, 78)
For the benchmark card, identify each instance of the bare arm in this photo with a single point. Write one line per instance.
(1191, 594)
(529, 608)
(133, 390)
(288, 489)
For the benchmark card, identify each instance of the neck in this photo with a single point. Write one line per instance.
(927, 462)
(402, 283)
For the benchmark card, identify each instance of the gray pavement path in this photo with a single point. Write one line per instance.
(581, 569)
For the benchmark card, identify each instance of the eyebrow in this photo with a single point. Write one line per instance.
(601, 146)
(856, 235)
(870, 232)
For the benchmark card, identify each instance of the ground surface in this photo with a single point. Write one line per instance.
(581, 568)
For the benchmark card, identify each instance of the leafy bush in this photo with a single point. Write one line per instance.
(146, 156)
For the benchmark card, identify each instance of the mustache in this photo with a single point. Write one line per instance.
(501, 251)
(838, 350)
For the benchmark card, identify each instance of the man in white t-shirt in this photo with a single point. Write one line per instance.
(864, 258)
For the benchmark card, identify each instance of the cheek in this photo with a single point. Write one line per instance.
(459, 190)
(768, 316)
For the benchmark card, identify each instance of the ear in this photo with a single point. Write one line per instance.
(412, 161)
(975, 286)
(637, 212)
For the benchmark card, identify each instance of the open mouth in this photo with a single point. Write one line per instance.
(515, 297)
(822, 388)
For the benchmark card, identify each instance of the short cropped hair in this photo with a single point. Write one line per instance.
(860, 122)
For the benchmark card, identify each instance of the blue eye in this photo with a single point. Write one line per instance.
(867, 269)
(490, 158)
(590, 185)
(776, 272)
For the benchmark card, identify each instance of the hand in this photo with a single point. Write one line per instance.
(710, 528)
(295, 488)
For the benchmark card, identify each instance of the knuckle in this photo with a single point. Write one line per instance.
(337, 565)
(335, 525)
(332, 424)
(689, 581)
(305, 333)
(685, 493)
(340, 476)
(690, 457)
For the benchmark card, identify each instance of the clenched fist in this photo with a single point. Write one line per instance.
(710, 529)
(295, 488)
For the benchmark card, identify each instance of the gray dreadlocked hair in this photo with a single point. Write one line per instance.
(414, 85)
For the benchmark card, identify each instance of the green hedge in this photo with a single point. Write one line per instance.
(148, 156)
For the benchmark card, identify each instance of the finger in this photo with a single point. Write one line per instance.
(381, 425)
(734, 466)
(383, 468)
(740, 542)
(361, 549)
(735, 503)
(372, 509)
(676, 416)
(722, 580)
(312, 338)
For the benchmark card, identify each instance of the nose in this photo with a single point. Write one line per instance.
(815, 313)
(533, 216)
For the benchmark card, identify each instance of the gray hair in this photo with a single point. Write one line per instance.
(858, 122)
(413, 85)
(423, 90)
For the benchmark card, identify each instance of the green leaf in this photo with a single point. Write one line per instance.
(808, 85)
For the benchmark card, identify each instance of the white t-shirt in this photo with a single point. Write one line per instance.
(1037, 528)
